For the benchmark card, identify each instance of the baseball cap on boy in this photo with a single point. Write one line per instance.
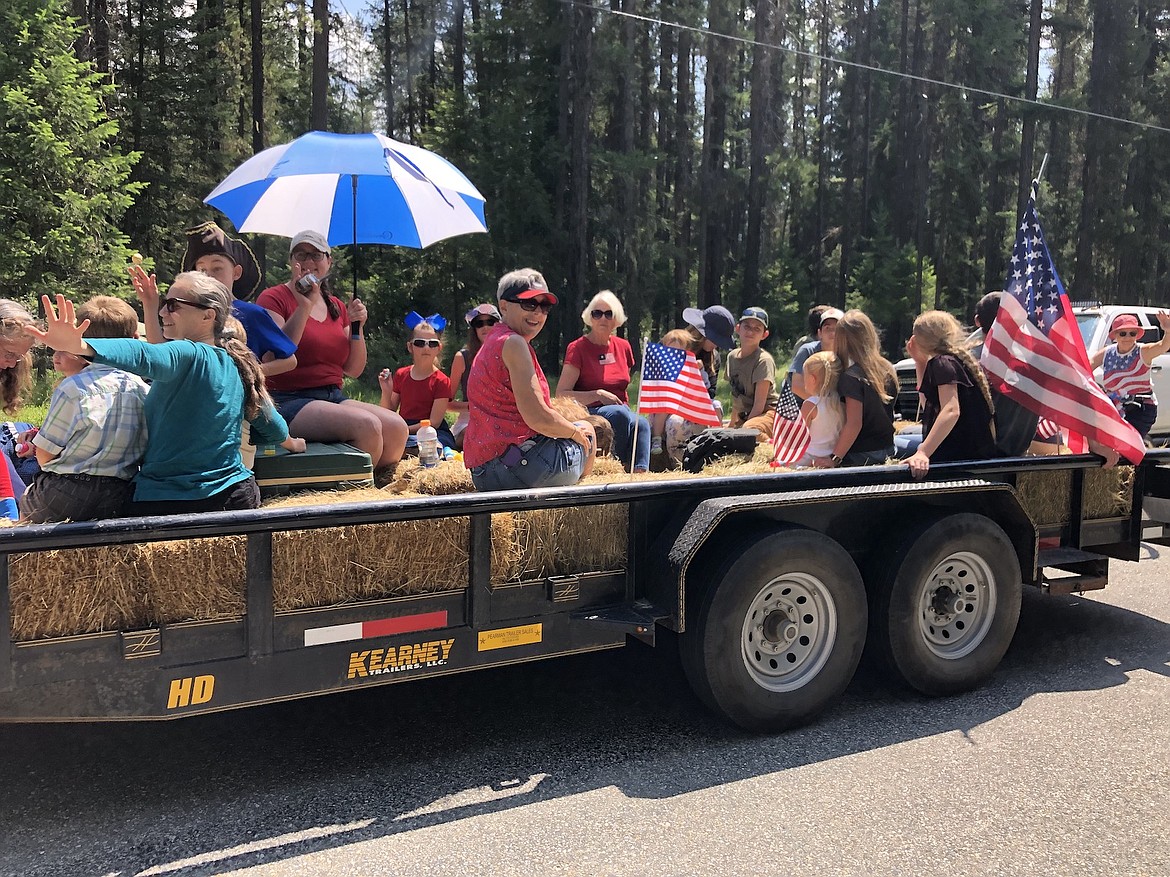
(831, 314)
(755, 314)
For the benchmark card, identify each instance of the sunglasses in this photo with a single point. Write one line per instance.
(425, 342)
(597, 314)
(313, 256)
(170, 305)
(479, 324)
(1132, 334)
(531, 305)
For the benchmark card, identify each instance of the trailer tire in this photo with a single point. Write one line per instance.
(946, 603)
(778, 631)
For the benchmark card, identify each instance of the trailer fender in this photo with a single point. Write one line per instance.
(697, 537)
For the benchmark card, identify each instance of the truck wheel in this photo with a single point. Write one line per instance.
(944, 614)
(778, 630)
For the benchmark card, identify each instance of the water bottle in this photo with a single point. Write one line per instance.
(428, 444)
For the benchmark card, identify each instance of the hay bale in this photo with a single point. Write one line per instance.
(188, 579)
(1109, 492)
(372, 561)
(561, 541)
(79, 590)
(1045, 495)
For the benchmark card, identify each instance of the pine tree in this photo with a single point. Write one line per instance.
(63, 184)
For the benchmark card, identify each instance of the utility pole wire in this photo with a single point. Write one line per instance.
(925, 80)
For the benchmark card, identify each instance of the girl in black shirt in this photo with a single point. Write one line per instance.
(868, 388)
(957, 409)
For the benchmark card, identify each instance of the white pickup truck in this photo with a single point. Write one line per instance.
(1094, 324)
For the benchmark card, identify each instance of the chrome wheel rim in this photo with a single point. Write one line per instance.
(956, 605)
(789, 632)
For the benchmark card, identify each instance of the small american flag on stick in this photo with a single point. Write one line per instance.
(1046, 429)
(790, 436)
(673, 384)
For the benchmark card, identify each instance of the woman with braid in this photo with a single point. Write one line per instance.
(205, 384)
(958, 411)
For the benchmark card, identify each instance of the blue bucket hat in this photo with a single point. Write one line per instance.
(715, 323)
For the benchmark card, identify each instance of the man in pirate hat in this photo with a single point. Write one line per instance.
(233, 264)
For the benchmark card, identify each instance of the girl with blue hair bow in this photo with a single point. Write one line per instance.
(420, 391)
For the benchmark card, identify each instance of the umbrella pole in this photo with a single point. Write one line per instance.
(355, 326)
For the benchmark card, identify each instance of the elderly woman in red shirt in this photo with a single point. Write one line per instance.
(514, 439)
(597, 374)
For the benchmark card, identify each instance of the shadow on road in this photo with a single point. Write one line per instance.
(187, 798)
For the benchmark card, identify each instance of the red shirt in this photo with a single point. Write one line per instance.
(495, 420)
(416, 397)
(602, 368)
(323, 348)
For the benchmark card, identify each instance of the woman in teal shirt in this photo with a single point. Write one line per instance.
(204, 384)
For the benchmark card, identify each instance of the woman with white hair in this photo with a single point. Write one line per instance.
(597, 374)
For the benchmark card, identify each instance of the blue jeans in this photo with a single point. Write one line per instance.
(622, 419)
(543, 462)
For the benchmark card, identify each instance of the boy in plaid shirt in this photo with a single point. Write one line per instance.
(94, 434)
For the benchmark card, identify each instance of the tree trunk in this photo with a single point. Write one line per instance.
(579, 47)
(388, 68)
(319, 120)
(713, 212)
(683, 149)
(257, 62)
(767, 18)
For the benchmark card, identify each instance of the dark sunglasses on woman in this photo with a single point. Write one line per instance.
(479, 324)
(598, 314)
(170, 305)
(425, 342)
(531, 305)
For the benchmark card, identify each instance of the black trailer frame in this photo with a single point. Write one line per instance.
(206, 666)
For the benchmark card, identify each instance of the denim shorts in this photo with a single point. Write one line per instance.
(544, 462)
(289, 404)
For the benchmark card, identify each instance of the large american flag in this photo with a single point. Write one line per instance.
(673, 384)
(1034, 352)
(790, 436)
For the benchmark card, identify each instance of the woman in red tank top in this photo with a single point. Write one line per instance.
(514, 439)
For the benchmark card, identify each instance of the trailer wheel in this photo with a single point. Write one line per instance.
(778, 630)
(946, 604)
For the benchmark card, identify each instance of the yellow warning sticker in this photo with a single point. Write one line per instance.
(506, 637)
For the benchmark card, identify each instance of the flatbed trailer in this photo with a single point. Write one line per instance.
(773, 585)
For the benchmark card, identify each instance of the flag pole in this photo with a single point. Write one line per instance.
(1039, 177)
(638, 405)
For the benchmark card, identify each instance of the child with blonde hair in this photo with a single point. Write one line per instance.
(957, 409)
(868, 386)
(822, 410)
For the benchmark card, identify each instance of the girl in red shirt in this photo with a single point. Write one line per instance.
(420, 391)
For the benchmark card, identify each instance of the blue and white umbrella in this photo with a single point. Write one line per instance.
(354, 189)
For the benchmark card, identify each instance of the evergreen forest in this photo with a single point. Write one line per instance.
(780, 153)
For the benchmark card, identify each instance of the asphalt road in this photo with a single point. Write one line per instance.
(606, 764)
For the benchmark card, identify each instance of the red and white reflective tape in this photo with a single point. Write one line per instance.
(339, 633)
